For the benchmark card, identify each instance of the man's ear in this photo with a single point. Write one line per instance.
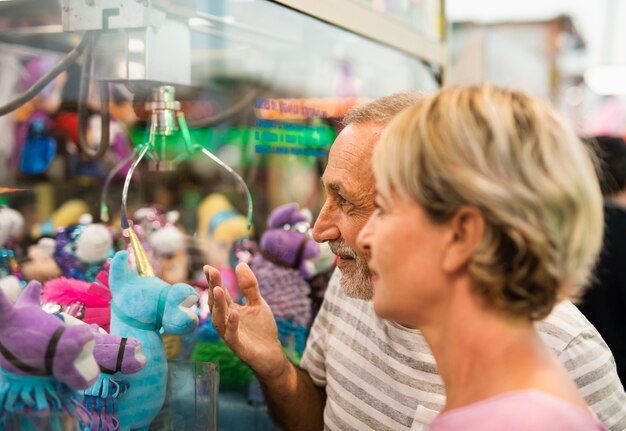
(466, 231)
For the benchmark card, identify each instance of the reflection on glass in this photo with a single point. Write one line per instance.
(191, 399)
(421, 15)
(39, 421)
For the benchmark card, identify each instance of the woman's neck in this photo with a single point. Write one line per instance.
(481, 353)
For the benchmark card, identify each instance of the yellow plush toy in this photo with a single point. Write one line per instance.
(218, 219)
(219, 226)
(68, 213)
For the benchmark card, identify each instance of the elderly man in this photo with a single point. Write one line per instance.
(360, 372)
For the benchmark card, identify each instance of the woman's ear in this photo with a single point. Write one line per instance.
(466, 231)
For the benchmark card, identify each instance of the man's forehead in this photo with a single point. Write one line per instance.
(348, 177)
(349, 160)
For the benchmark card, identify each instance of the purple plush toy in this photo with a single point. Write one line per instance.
(284, 263)
(43, 362)
(117, 356)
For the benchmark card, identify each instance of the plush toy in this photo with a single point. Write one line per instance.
(34, 148)
(164, 242)
(39, 263)
(93, 297)
(79, 252)
(43, 362)
(284, 254)
(11, 230)
(165, 245)
(11, 225)
(219, 226)
(68, 213)
(82, 249)
(141, 306)
(218, 219)
(11, 286)
(170, 251)
(117, 356)
(284, 263)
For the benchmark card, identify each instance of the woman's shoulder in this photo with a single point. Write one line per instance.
(519, 410)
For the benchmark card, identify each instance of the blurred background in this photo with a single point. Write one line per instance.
(570, 52)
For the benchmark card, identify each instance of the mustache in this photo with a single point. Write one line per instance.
(340, 248)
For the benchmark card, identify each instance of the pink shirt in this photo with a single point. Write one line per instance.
(529, 410)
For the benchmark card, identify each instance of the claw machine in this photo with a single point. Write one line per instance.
(169, 130)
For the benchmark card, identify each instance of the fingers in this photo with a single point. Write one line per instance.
(248, 284)
(214, 278)
(221, 310)
(232, 324)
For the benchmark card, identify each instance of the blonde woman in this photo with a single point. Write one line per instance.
(489, 213)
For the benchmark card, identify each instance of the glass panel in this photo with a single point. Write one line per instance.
(296, 53)
(260, 86)
(424, 16)
(191, 399)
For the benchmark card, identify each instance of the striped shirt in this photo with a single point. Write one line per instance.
(382, 376)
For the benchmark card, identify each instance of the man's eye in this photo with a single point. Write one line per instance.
(342, 200)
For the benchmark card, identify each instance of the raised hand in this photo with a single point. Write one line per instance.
(249, 330)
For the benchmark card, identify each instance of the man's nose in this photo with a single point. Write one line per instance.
(325, 228)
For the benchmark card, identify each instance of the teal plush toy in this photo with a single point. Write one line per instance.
(142, 305)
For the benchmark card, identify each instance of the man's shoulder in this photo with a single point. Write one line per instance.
(565, 325)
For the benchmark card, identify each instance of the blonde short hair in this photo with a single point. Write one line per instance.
(513, 158)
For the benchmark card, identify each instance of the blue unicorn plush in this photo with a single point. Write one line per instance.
(143, 304)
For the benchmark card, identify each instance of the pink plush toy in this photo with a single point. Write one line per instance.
(93, 298)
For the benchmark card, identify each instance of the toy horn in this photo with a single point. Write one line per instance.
(141, 260)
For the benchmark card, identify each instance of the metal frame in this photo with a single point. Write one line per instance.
(366, 22)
